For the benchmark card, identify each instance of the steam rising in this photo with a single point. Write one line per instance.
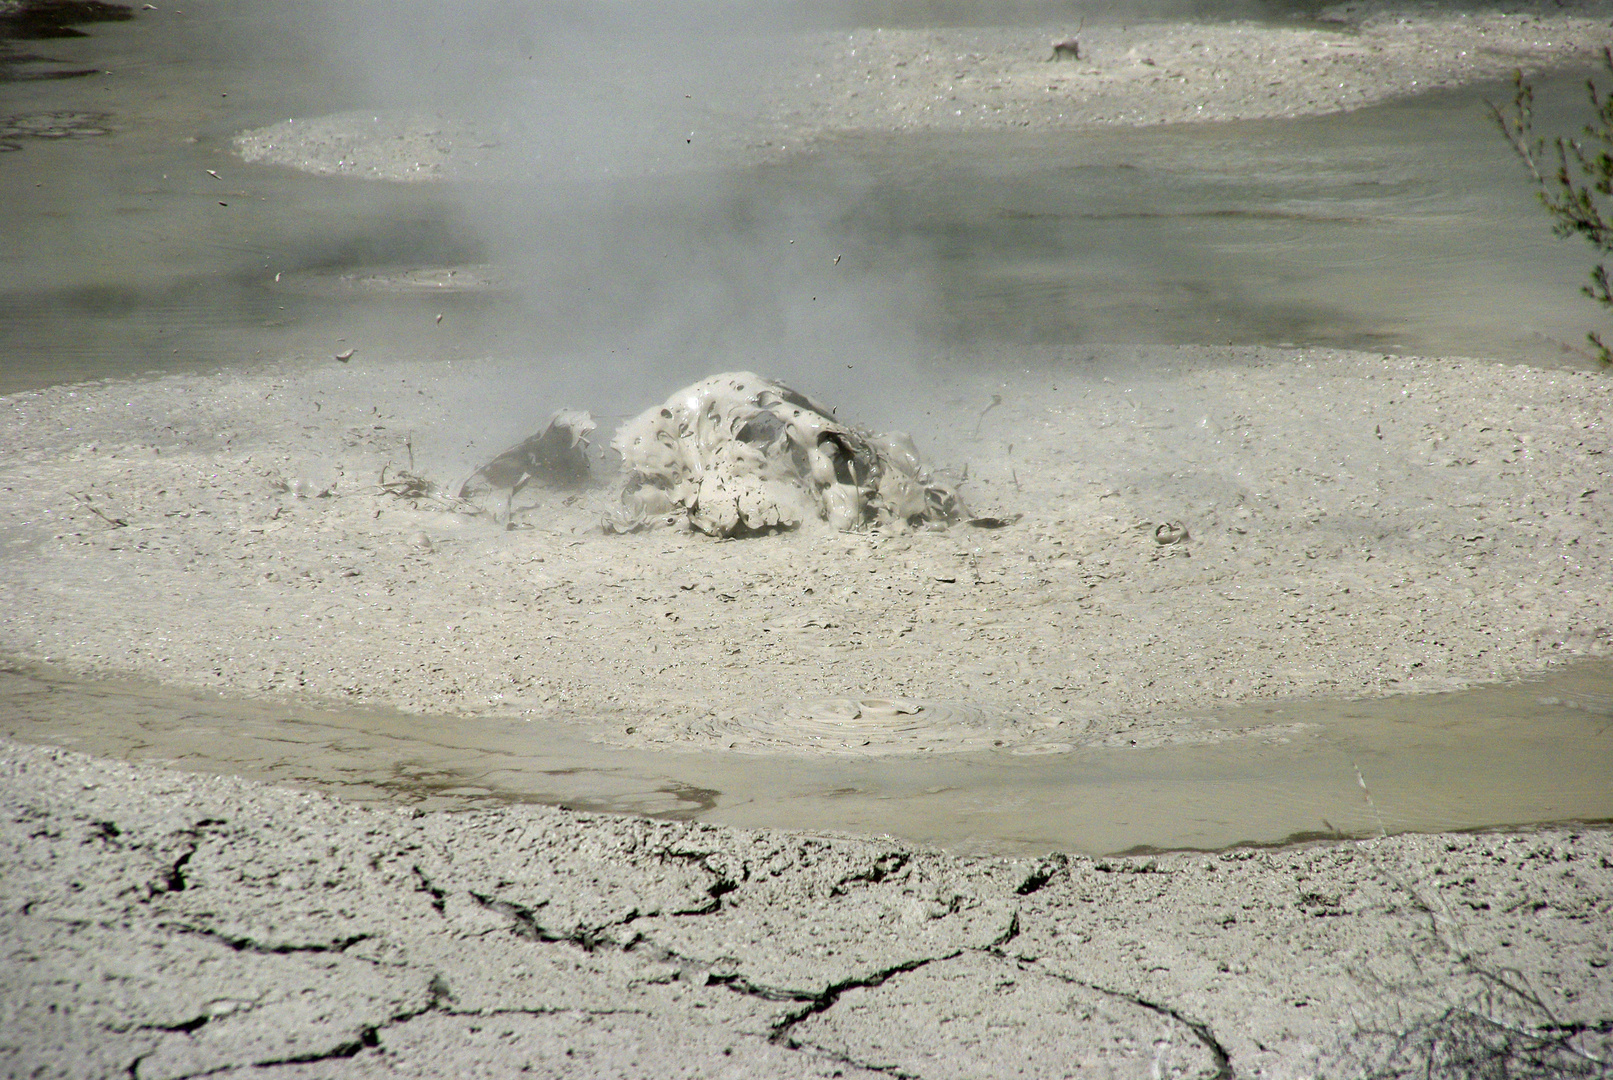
(611, 153)
(621, 167)
(607, 181)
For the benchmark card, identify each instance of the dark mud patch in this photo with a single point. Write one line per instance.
(51, 125)
(47, 20)
(42, 20)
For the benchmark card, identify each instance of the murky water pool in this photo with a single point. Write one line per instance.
(133, 241)
(1539, 751)
(1403, 228)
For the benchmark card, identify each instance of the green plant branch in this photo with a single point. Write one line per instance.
(1578, 191)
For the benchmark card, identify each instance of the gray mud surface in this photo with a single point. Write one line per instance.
(1357, 525)
(166, 926)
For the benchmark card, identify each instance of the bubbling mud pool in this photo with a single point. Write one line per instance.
(1536, 751)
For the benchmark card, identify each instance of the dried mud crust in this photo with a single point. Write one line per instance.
(369, 145)
(1358, 525)
(1163, 73)
(165, 926)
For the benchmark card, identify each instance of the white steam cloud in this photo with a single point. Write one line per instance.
(612, 195)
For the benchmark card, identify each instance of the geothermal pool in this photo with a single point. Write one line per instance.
(137, 244)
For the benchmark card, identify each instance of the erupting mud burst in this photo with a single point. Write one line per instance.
(555, 457)
(740, 454)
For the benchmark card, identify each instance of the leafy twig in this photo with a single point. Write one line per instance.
(1576, 192)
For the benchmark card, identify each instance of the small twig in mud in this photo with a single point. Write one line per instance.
(1504, 1030)
(406, 484)
(408, 444)
(1015, 475)
(996, 400)
(116, 523)
(1370, 804)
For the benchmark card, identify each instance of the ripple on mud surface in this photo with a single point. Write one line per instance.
(1187, 732)
(864, 727)
(872, 727)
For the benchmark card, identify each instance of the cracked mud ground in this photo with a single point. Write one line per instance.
(164, 926)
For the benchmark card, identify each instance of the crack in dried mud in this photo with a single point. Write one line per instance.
(825, 1000)
(1200, 1029)
(524, 923)
(244, 943)
(1042, 873)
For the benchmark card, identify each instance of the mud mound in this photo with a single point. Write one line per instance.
(739, 455)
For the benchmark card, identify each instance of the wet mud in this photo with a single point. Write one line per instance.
(1263, 775)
